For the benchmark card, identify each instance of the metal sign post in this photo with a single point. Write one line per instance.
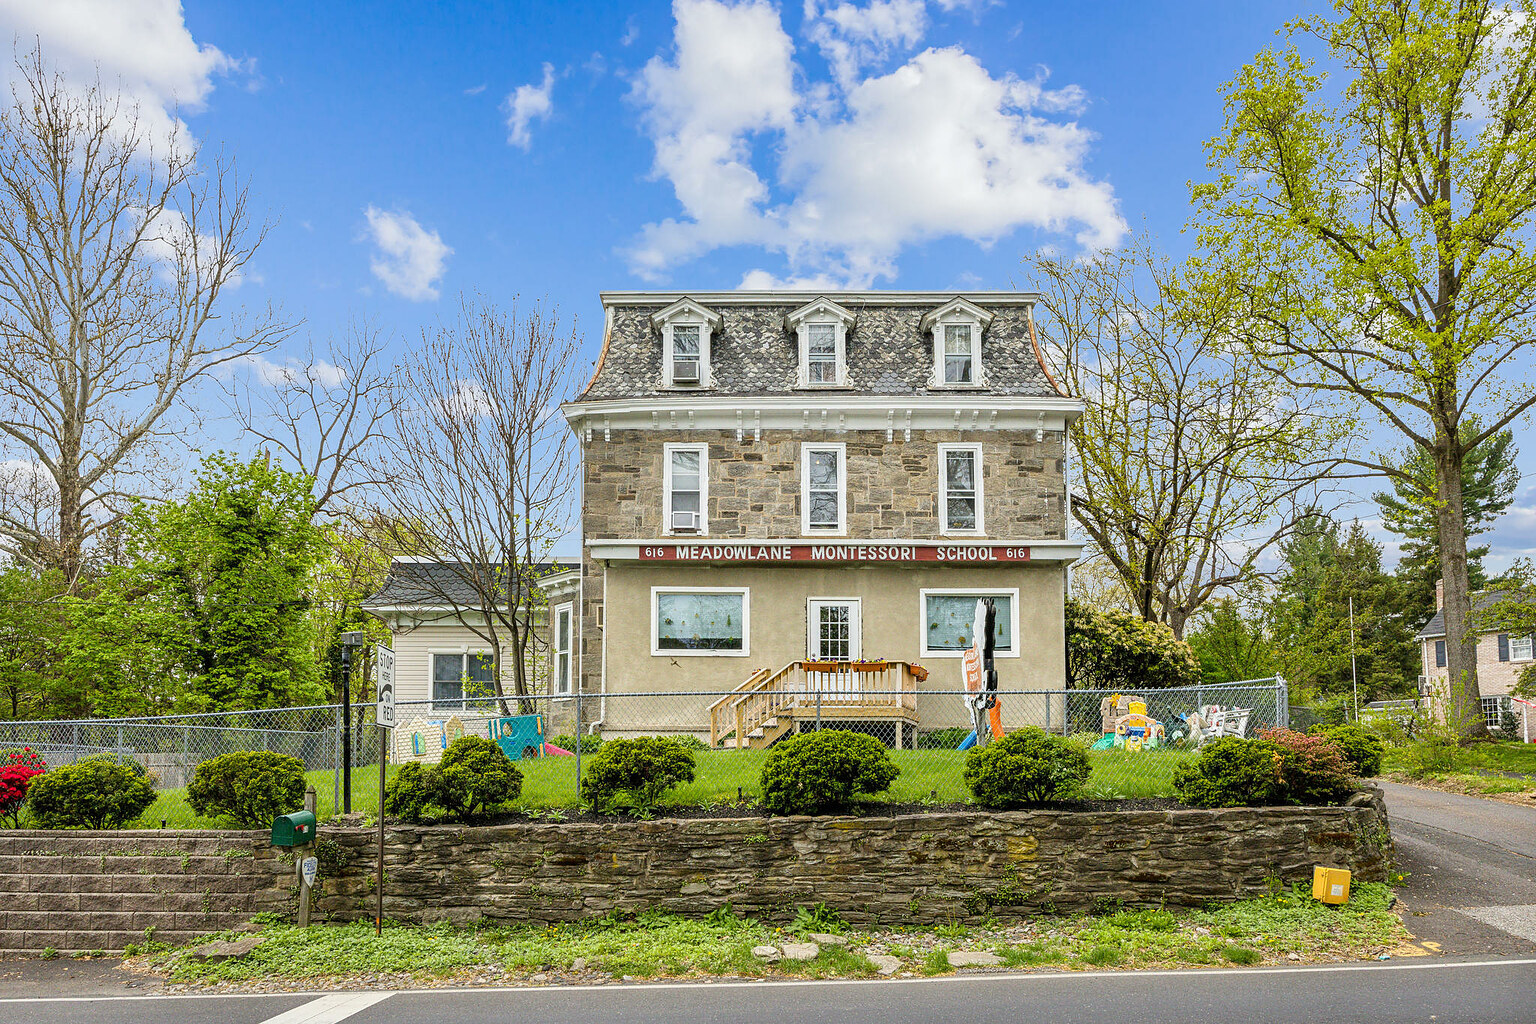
(384, 718)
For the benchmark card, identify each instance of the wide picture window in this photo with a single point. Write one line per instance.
(701, 622)
(948, 620)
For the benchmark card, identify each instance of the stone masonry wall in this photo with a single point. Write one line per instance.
(83, 890)
(893, 486)
(101, 890)
(914, 869)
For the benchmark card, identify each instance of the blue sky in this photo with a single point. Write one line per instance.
(407, 152)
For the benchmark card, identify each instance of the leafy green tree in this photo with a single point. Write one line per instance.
(1231, 643)
(213, 602)
(1114, 650)
(1326, 566)
(1380, 218)
(1489, 477)
(34, 618)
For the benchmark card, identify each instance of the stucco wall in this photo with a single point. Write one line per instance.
(892, 487)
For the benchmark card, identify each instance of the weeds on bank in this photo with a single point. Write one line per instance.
(659, 945)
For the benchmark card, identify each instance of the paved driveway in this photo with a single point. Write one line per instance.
(1471, 863)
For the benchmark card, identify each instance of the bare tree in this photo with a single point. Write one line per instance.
(328, 416)
(483, 467)
(1191, 462)
(116, 251)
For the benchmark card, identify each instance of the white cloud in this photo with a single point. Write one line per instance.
(526, 104)
(171, 242)
(853, 37)
(410, 259)
(142, 48)
(865, 165)
(292, 371)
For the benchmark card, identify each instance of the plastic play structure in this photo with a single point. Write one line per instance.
(520, 736)
(1214, 721)
(1125, 723)
(424, 739)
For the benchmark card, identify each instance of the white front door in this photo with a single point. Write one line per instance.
(834, 628)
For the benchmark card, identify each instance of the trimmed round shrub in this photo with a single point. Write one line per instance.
(411, 791)
(248, 787)
(822, 771)
(1312, 768)
(1024, 768)
(642, 768)
(1363, 750)
(103, 791)
(475, 779)
(1230, 772)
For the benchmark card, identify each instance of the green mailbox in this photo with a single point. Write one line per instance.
(296, 829)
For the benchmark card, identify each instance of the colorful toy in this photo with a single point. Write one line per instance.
(1126, 724)
(425, 739)
(518, 736)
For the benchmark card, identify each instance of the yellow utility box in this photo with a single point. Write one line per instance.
(1331, 885)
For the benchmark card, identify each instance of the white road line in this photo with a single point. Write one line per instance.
(329, 1009)
(1003, 976)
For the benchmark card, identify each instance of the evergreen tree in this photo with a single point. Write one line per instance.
(1489, 477)
(1325, 567)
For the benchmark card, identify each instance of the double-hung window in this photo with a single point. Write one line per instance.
(460, 676)
(960, 488)
(686, 354)
(959, 354)
(560, 649)
(700, 621)
(821, 353)
(823, 488)
(686, 486)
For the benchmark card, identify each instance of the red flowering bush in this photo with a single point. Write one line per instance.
(1313, 769)
(17, 770)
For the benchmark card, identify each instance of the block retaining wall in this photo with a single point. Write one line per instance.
(100, 890)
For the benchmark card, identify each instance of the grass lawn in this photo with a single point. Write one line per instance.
(1480, 769)
(932, 776)
(1275, 929)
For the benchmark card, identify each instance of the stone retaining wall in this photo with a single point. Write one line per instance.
(84, 891)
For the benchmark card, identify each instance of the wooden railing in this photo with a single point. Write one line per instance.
(768, 700)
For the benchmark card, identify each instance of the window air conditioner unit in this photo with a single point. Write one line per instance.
(688, 521)
(685, 373)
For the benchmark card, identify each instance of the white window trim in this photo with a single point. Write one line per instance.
(666, 488)
(856, 633)
(1530, 651)
(566, 608)
(840, 369)
(461, 650)
(957, 311)
(806, 447)
(746, 623)
(1013, 617)
(980, 529)
(686, 313)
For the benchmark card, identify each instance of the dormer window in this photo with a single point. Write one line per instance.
(686, 329)
(821, 331)
(957, 327)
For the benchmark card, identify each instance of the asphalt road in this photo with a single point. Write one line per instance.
(1471, 863)
(1444, 991)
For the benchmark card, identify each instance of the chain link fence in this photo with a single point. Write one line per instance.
(1133, 750)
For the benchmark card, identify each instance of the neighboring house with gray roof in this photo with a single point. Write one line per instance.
(430, 609)
(778, 487)
(1501, 657)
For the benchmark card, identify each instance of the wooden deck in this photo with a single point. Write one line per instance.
(770, 703)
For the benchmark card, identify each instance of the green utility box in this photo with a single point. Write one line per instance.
(296, 829)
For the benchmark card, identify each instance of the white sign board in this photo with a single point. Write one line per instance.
(384, 676)
(310, 867)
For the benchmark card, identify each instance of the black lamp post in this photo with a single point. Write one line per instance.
(349, 642)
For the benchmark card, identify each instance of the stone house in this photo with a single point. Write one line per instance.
(1501, 658)
(791, 493)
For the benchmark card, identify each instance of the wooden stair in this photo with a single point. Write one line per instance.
(766, 707)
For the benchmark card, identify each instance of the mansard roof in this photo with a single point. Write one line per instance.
(753, 352)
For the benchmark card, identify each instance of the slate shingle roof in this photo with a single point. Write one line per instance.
(1435, 627)
(753, 353)
(434, 584)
